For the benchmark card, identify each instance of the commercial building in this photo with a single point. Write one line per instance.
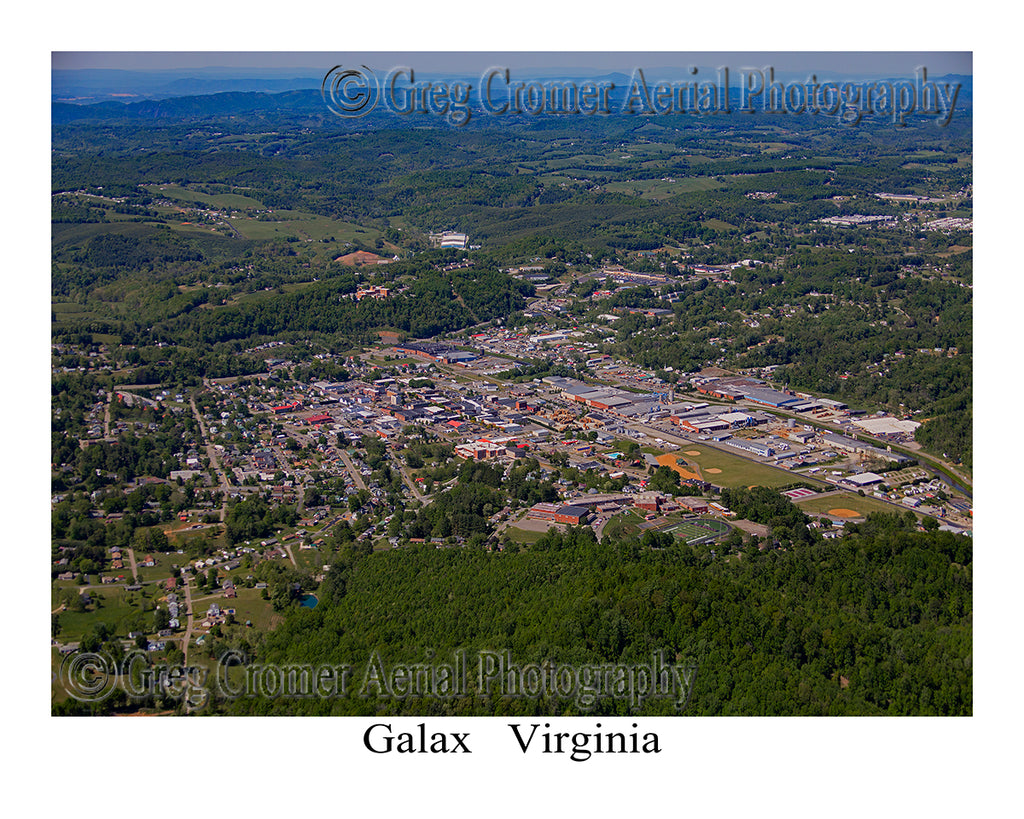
(572, 515)
(862, 480)
(649, 501)
(757, 447)
(480, 450)
(448, 239)
(770, 398)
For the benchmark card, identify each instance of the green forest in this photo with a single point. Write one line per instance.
(876, 623)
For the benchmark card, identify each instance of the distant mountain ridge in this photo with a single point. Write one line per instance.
(186, 107)
(309, 100)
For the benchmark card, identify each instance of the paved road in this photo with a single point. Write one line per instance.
(356, 475)
(188, 623)
(211, 452)
(407, 477)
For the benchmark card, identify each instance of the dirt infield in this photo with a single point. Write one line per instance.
(671, 461)
(713, 471)
(844, 513)
(692, 452)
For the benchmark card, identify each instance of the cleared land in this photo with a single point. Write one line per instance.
(673, 461)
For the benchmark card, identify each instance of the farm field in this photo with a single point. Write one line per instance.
(220, 200)
(308, 226)
(663, 188)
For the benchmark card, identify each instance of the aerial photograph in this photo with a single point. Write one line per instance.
(528, 385)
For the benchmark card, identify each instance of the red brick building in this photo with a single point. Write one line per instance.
(573, 515)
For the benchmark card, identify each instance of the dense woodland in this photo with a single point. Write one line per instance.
(876, 623)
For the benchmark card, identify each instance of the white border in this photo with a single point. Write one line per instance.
(774, 767)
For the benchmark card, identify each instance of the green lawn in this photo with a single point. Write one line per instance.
(524, 536)
(310, 560)
(659, 189)
(705, 527)
(845, 500)
(162, 569)
(117, 608)
(249, 605)
(735, 470)
(622, 525)
(288, 223)
(222, 200)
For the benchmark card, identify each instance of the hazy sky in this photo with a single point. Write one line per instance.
(274, 62)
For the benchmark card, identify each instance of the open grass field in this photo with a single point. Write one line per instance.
(572, 163)
(71, 313)
(525, 536)
(529, 530)
(291, 223)
(663, 189)
(844, 500)
(623, 525)
(718, 224)
(117, 608)
(211, 536)
(223, 200)
(692, 531)
(734, 470)
(283, 224)
(249, 605)
(162, 569)
(310, 560)
(680, 465)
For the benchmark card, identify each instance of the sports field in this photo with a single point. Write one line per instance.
(694, 531)
(846, 501)
(724, 469)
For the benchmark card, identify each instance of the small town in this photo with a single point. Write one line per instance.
(327, 461)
